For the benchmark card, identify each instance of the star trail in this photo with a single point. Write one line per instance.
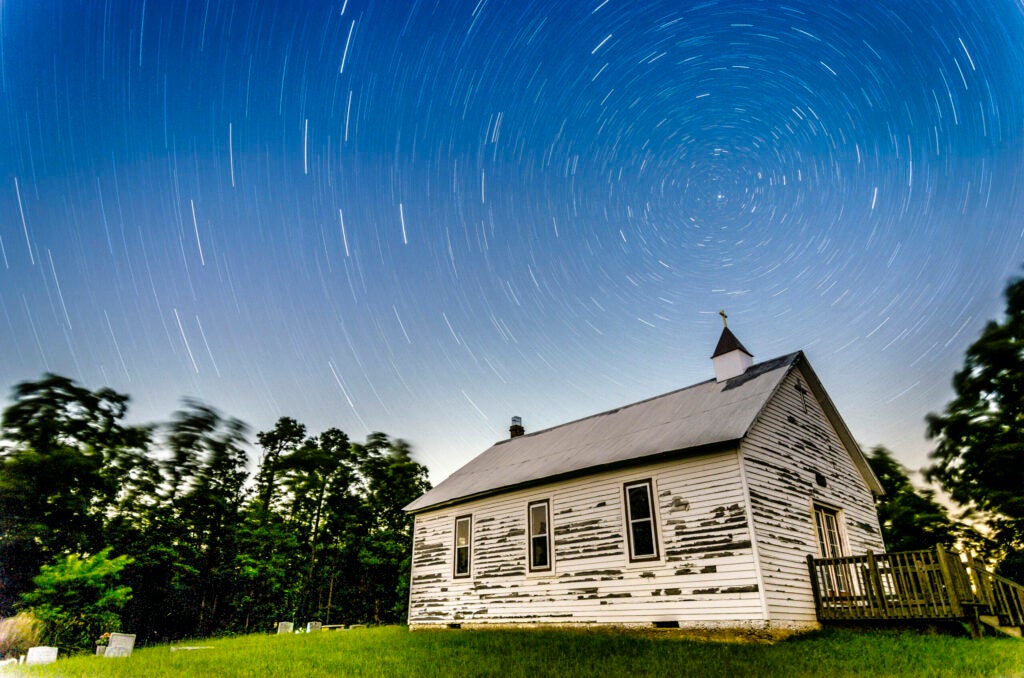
(424, 217)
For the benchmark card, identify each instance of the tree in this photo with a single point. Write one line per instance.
(208, 467)
(68, 462)
(911, 519)
(317, 474)
(393, 480)
(277, 445)
(78, 598)
(267, 589)
(979, 456)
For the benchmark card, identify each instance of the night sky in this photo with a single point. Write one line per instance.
(426, 217)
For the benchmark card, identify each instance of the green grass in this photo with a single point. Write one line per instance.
(394, 651)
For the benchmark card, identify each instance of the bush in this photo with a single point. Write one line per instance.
(19, 633)
(78, 598)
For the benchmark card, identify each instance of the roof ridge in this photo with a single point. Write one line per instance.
(759, 367)
(604, 413)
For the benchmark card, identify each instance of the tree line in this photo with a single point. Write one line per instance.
(163, 531)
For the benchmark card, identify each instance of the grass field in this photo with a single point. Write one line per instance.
(394, 651)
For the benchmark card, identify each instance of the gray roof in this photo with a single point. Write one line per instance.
(700, 416)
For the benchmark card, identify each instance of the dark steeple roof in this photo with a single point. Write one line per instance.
(728, 342)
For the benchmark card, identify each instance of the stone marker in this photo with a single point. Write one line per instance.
(41, 654)
(312, 627)
(285, 627)
(121, 645)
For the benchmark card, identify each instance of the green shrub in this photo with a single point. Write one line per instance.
(78, 598)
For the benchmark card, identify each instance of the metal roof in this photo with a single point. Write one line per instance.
(705, 414)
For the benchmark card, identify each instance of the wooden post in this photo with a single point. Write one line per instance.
(814, 586)
(982, 592)
(956, 609)
(876, 584)
(979, 599)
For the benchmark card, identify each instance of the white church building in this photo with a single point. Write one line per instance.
(696, 508)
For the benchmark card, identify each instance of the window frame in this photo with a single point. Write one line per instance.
(833, 545)
(468, 518)
(648, 484)
(830, 540)
(530, 536)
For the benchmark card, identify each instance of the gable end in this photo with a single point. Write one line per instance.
(832, 414)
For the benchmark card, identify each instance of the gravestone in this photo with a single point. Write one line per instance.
(121, 645)
(41, 654)
(285, 627)
(312, 627)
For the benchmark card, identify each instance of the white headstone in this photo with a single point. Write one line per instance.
(121, 645)
(312, 627)
(285, 627)
(41, 654)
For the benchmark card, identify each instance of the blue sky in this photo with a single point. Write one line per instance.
(426, 217)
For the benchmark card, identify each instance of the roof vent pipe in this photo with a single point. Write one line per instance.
(516, 429)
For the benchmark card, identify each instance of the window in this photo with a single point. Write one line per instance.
(643, 539)
(463, 542)
(540, 535)
(830, 545)
(826, 523)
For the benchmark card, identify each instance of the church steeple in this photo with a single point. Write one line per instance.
(731, 358)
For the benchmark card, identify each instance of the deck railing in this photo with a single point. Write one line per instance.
(912, 585)
(905, 585)
(1003, 598)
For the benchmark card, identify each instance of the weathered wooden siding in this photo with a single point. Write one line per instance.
(705, 573)
(792, 441)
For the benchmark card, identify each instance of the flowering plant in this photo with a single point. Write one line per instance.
(103, 640)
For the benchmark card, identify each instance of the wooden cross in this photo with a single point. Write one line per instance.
(724, 316)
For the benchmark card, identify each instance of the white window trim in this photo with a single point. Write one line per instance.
(840, 585)
(840, 514)
(469, 548)
(547, 569)
(628, 520)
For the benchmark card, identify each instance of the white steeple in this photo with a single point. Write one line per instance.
(730, 358)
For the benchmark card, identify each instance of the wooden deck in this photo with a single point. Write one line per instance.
(914, 585)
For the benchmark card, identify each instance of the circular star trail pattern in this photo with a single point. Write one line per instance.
(425, 217)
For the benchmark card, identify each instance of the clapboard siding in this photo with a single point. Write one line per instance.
(792, 441)
(705, 573)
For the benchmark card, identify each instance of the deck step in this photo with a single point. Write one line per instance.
(992, 621)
